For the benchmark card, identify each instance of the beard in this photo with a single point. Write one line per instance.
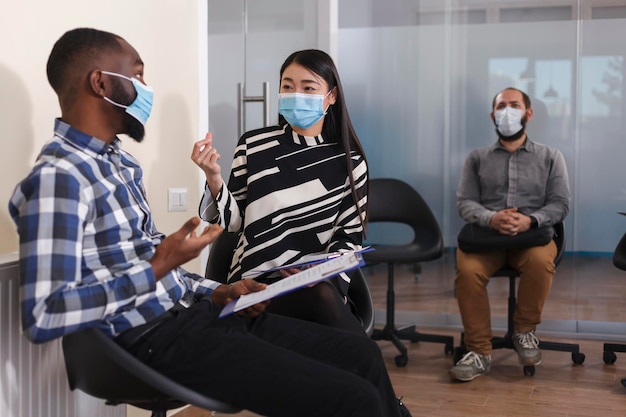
(134, 128)
(515, 136)
(131, 126)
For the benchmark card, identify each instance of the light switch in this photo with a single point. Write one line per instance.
(177, 199)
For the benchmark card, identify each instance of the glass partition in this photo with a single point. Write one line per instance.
(420, 77)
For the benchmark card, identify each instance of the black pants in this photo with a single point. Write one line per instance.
(323, 303)
(272, 365)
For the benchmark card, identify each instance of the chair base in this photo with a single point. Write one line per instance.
(609, 357)
(506, 342)
(396, 336)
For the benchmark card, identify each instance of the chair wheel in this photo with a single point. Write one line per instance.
(609, 357)
(529, 370)
(448, 350)
(624, 382)
(578, 358)
(401, 361)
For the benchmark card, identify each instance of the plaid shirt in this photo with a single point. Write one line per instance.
(86, 238)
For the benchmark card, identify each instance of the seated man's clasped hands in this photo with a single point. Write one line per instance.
(510, 222)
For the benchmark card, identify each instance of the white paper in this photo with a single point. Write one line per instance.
(319, 272)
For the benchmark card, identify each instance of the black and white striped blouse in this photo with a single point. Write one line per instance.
(290, 195)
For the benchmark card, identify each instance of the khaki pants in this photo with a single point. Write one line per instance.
(536, 267)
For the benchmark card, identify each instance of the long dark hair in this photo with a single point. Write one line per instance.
(337, 125)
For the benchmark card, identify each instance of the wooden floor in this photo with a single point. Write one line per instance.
(583, 289)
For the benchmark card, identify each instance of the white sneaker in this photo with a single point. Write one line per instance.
(471, 366)
(527, 347)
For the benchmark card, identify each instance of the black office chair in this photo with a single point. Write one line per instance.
(394, 201)
(98, 366)
(619, 260)
(506, 341)
(221, 255)
(359, 293)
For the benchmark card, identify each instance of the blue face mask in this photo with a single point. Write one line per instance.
(302, 110)
(141, 106)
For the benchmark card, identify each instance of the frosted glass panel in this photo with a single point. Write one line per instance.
(535, 14)
(248, 40)
(420, 77)
(609, 12)
(395, 95)
(602, 118)
(275, 29)
(420, 98)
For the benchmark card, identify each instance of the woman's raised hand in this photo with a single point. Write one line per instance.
(206, 157)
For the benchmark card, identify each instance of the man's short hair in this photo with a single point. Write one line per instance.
(524, 96)
(75, 54)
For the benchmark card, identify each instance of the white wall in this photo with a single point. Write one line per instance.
(165, 32)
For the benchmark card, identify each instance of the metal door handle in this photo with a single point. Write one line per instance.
(241, 108)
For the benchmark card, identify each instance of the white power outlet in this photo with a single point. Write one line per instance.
(177, 199)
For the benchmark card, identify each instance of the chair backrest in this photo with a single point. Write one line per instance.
(221, 254)
(98, 366)
(619, 255)
(360, 294)
(393, 200)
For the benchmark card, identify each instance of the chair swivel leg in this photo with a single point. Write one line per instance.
(609, 357)
(395, 335)
(507, 341)
(410, 332)
(497, 342)
(389, 332)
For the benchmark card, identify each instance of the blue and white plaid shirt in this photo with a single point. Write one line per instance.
(86, 238)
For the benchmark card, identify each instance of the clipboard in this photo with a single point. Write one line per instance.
(321, 271)
(305, 261)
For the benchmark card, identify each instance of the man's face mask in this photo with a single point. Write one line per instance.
(141, 107)
(508, 120)
(302, 110)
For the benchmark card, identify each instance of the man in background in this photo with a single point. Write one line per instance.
(511, 186)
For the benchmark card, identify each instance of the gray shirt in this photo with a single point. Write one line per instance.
(533, 179)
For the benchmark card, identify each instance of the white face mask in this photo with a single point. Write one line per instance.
(508, 120)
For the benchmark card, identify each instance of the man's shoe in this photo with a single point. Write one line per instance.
(527, 347)
(471, 366)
